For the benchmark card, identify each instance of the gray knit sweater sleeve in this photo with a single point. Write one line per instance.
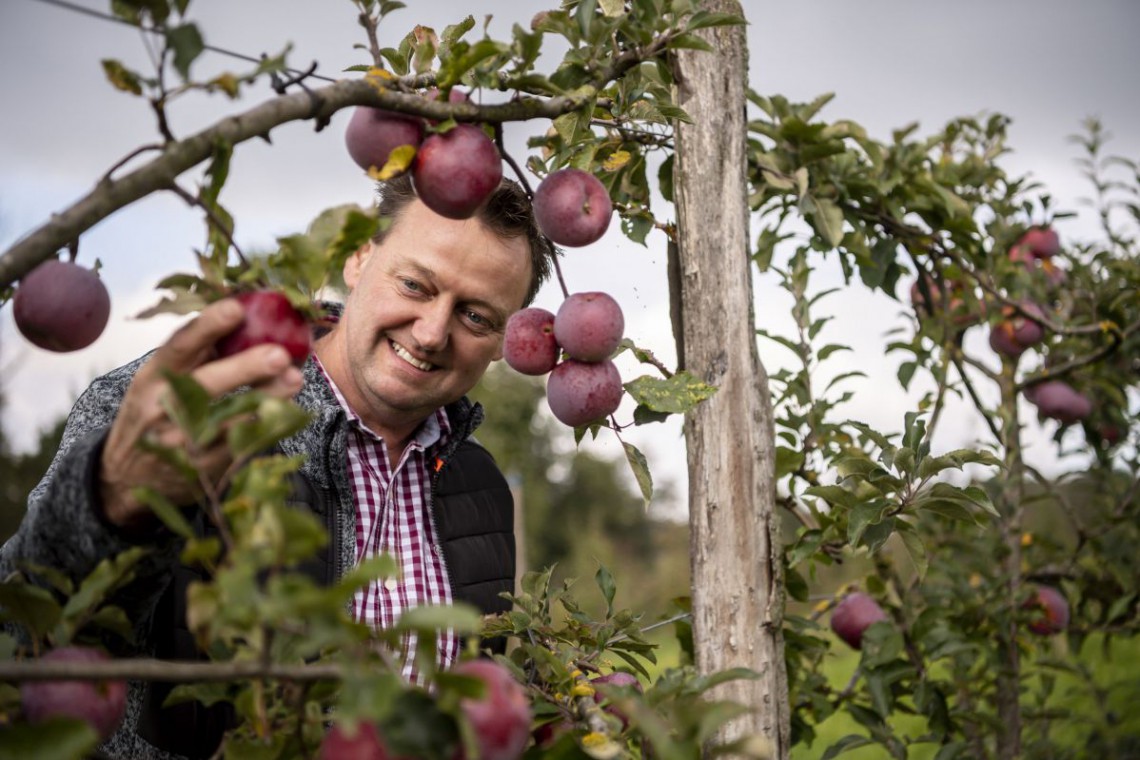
(63, 527)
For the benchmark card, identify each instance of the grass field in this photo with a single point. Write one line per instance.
(1103, 700)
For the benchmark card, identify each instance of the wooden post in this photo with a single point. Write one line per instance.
(735, 551)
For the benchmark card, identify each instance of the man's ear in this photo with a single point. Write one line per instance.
(354, 265)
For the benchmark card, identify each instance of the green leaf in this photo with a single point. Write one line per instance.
(187, 44)
(54, 739)
(585, 16)
(640, 469)
(170, 515)
(834, 495)
(55, 578)
(788, 461)
(461, 618)
(916, 550)
(204, 693)
(108, 575)
(675, 395)
(452, 72)
(827, 219)
(849, 742)
(30, 606)
(882, 643)
(607, 586)
(689, 42)
(120, 77)
(114, 619)
(865, 514)
(806, 546)
(276, 419)
(705, 19)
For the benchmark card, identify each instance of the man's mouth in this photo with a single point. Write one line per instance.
(406, 356)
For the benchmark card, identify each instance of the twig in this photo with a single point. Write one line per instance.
(215, 221)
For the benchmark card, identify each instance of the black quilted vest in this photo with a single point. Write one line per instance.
(474, 516)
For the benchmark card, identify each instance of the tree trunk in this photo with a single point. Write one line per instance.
(735, 551)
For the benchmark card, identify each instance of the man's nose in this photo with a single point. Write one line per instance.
(432, 326)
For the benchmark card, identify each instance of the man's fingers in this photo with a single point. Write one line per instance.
(254, 366)
(192, 343)
(285, 385)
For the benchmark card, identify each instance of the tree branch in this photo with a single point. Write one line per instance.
(163, 670)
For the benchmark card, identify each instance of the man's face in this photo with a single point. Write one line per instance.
(425, 314)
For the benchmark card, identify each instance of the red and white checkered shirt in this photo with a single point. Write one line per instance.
(393, 516)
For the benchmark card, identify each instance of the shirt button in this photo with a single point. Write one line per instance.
(390, 584)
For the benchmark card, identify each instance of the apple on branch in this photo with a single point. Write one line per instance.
(1049, 611)
(589, 326)
(581, 392)
(501, 717)
(854, 614)
(529, 345)
(61, 306)
(100, 704)
(572, 207)
(454, 172)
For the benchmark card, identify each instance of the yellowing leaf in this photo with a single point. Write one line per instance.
(612, 8)
(227, 83)
(616, 160)
(399, 160)
(121, 77)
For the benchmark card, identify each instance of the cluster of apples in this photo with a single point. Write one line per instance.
(1018, 329)
(586, 385)
(500, 720)
(856, 612)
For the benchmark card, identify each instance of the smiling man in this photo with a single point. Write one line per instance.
(390, 462)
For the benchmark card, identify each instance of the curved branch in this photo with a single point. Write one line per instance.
(111, 194)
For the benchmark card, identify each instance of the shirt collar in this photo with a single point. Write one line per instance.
(433, 431)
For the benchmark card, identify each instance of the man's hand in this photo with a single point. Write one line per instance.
(125, 465)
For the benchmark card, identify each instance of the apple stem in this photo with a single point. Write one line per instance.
(73, 250)
(214, 219)
(529, 194)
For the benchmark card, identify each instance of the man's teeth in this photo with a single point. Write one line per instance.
(403, 354)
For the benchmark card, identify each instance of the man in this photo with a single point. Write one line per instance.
(390, 463)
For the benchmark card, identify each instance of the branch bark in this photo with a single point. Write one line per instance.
(735, 551)
(164, 670)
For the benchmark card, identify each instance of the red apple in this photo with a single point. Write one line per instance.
(589, 326)
(373, 134)
(1013, 335)
(61, 306)
(456, 171)
(1040, 242)
(580, 392)
(572, 207)
(269, 318)
(1058, 400)
(548, 733)
(362, 741)
(1050, 611)
(529, 346)
(854, 614)
(100, 704)
(501, 717)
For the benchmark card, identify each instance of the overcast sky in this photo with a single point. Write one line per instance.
(1047, 63)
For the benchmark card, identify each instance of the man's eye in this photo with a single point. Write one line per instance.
(411, 285)
(477, 319)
